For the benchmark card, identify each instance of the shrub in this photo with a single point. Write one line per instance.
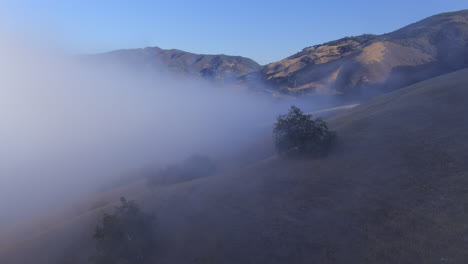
(298, 133)
(126, 236)
(196, 166)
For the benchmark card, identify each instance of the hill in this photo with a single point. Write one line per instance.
(370, 64)
(211, 67)
(364, 65)
(392, 191)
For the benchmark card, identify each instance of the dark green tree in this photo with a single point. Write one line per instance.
(124, 237)
(296, 133)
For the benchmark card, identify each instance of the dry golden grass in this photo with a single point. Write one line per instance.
(425, 49)
(325, 66)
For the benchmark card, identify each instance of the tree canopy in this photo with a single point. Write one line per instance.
(297, 133)
(124, 237)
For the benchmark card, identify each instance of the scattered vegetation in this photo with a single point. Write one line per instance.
(297, 133)
(196, 166)
(360, 39)
(126, 236)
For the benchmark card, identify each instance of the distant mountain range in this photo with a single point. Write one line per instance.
(212, 67)
(364, 64)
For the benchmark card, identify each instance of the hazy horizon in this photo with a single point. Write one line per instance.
(263, 31)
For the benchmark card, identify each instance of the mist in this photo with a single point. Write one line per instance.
(69, 125)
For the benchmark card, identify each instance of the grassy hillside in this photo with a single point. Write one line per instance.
(370, 64)
(393, 190)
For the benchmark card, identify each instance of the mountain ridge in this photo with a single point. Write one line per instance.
(218, 67)
(374, 63)
(352, 66)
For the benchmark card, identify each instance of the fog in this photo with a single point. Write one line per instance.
(68, 126)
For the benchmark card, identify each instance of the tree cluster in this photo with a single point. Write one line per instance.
(124, 237)
(296, 133)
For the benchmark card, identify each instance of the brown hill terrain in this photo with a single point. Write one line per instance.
(212, 67)
(366, 63)
(353, 66)
(393, 190)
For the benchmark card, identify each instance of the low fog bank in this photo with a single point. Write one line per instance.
(71, 125)
(68, 126)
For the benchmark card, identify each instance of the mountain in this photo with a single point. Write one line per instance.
(393, 190)
(352, 66)
(212, 67)
(369, 64)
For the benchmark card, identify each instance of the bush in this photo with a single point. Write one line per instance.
(126, 236)
(196, 166)
(298, 133)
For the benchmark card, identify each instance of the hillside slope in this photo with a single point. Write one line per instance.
(212, 67)
(370, 64)
(392, 191)
(365, 65)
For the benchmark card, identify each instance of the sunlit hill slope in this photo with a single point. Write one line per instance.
(369, 64)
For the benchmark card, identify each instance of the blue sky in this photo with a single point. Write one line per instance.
(263, 30)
